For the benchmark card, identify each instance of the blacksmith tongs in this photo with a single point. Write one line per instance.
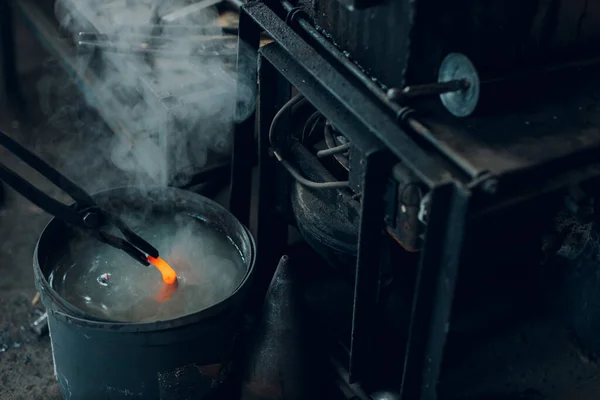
(84, 214)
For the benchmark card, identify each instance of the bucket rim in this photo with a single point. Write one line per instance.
(51, 299)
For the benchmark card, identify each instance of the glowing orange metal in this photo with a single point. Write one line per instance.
(169, 276)
(166, 292)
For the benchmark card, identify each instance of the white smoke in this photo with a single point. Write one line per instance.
(173, 104)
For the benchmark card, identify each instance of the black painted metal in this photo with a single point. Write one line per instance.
(501, 36)
(328, 219)
(434, 294)
(8, 54)
(271, 228)
(170, 359)
(340, 99)
(402, 215)
(280, 362)
(363, 121)
(404, 41)
(317, 37)
(368, 263)
(378, 38)
(244, 153)
(318, 70)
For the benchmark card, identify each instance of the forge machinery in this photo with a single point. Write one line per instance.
(440, 159)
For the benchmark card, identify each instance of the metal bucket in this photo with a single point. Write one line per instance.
(182, 358)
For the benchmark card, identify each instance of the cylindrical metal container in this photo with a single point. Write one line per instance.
(182, 358)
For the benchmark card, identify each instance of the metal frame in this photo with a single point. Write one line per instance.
(378, 137)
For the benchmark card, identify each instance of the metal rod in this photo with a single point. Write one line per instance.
(40, 325)
(145, 48)
(311, 184)
(334, 150)
(430, 89)
(193, 38)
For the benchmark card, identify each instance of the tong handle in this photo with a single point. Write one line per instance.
(86, 215)
(35, 195)
(58, 179)
(39, 198)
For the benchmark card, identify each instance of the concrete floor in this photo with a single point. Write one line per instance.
(56, 127)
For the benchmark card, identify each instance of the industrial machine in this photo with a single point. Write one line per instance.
(440, 159)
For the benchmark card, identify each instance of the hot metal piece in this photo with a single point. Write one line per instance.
(457, 67)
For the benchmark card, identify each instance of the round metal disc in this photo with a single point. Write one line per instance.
(461, 103)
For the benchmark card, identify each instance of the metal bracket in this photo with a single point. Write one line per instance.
(434, 292)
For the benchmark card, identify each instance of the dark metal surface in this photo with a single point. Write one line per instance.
(365, 124)
(279, 364)
(402, 215)
(395, 37)
(501, 36)
(368, 263)
(244, 151)
(356, 164)
(361, 121)
(327, 219)
(321, 40)
(544, 125)
(436, 281)
(10, 81)
(271, 228)
(494, 144)
(504, 161)
(378, 37)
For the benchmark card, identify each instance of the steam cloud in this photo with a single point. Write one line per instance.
(173, 109)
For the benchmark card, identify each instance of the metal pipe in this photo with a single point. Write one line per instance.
(430, 89)
(303, 181)
(334, 150)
